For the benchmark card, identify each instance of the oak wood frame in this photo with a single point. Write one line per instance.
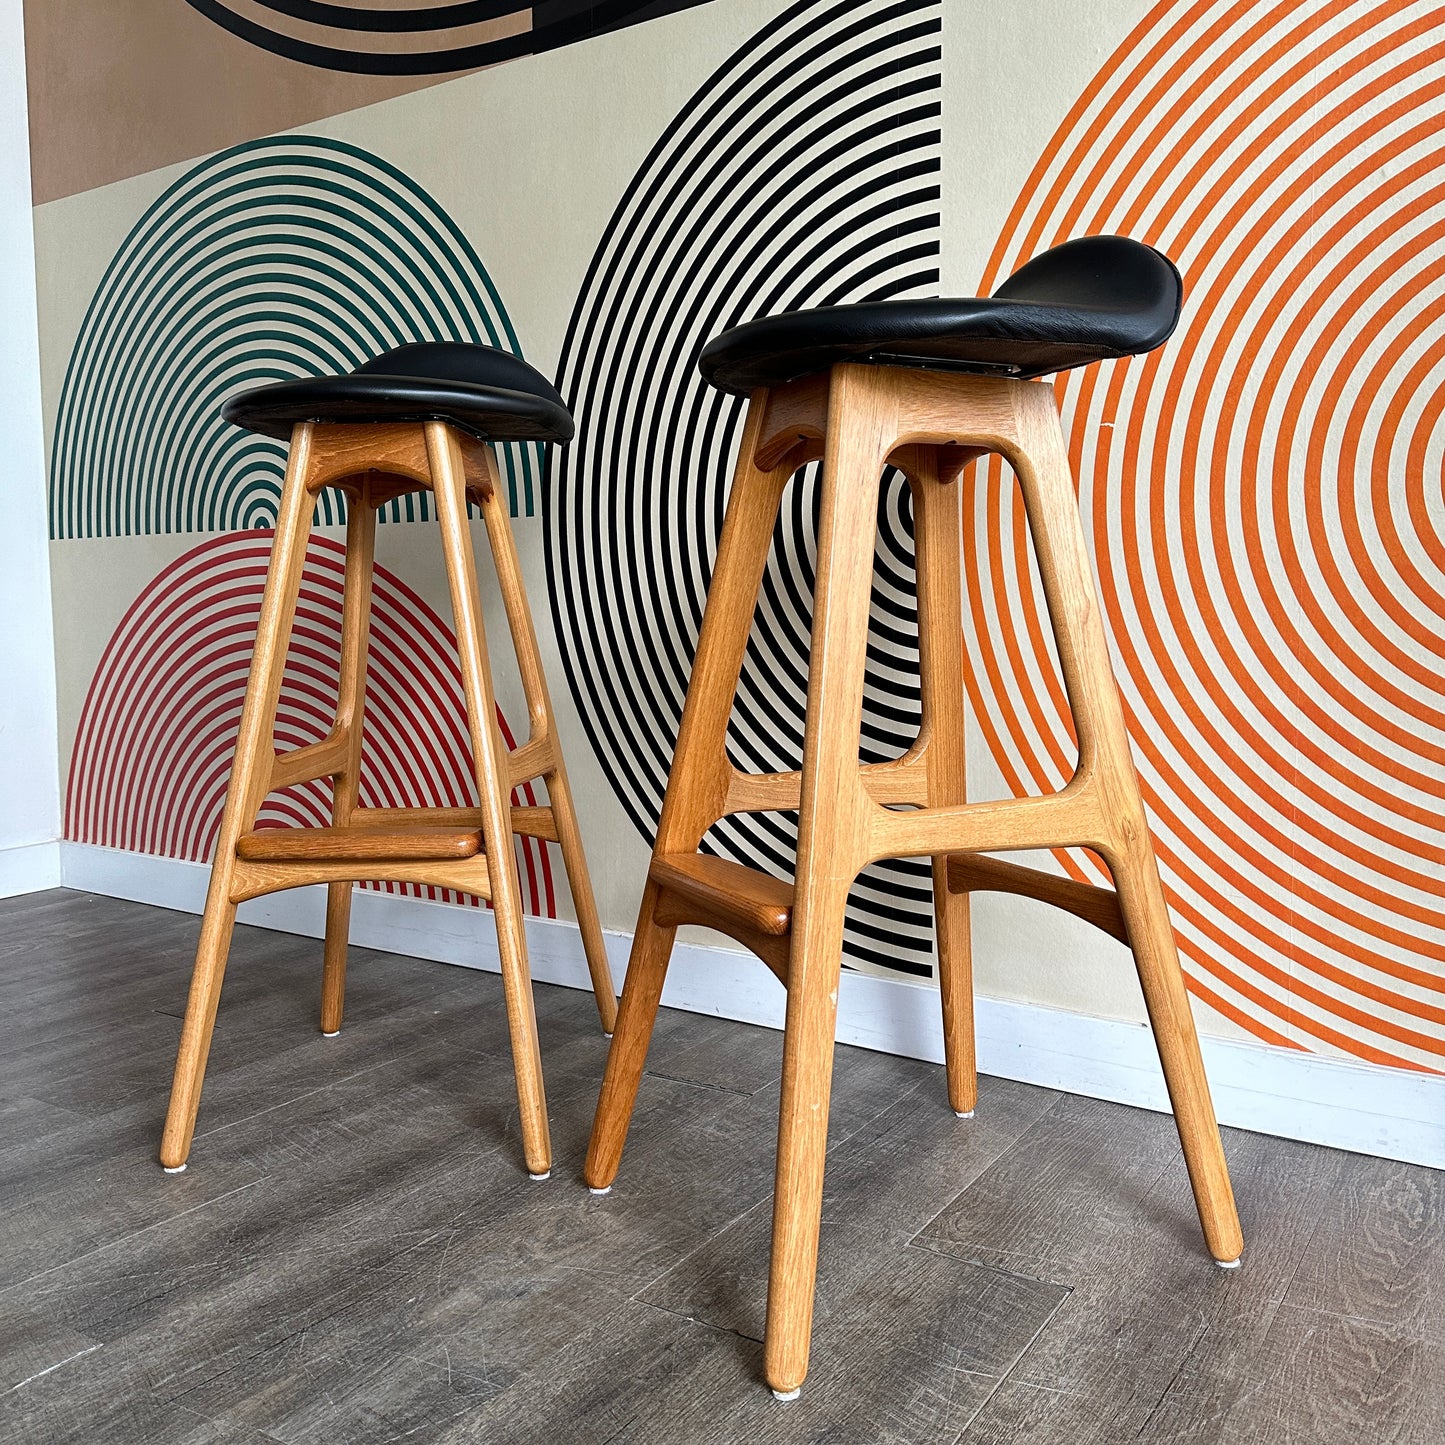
(465, 849)
(930, 424)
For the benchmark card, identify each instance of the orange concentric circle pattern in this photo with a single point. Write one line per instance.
(1265, 501)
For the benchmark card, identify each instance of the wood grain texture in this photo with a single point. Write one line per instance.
(832, 815)
(757, 901)
(532, 822)
(435, 847)
(857, 419)
(938, 565)
(885, 1181)
(914, 1356)
(1346, 1380)
(250, 776)
(447, 467)
(696, 794)
(472, 875)
(745, 904)
(1382, 1255)
(1147, 1317)
(978, 873)
(541, 754)
(350, 717)
(360, 1259)
(364, 845)
(22, 1120)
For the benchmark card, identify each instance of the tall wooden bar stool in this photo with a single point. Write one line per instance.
(418, 418)
(928, 386)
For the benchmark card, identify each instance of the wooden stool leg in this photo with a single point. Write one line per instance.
(1105, 755)
(543, 724)
(808, 1045)
(250, 774)
(938, 561)
(1151, 936)
(698, 781)
(494, 788)
(641, 994)
(832, 844)
(350, 707)
(584, 903)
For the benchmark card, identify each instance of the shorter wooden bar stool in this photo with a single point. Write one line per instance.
(927, 386)
(418, 418)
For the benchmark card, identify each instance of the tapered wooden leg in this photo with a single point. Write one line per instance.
(955, 987)
(333, 965)
(940, 664)
(808, 1040)
(492, 498)
(1106, 759)
(641, 995)
(350, 707)
(832, 823)
(584, 904)
(494, 790)
(250, 775)
(698, 780)
(1151, 936)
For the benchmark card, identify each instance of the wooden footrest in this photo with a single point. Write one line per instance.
(978, 873)
(359, 845)
(757, 909)
(754, 901)
(752, 907)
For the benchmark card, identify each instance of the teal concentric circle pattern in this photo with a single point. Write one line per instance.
(284, 257)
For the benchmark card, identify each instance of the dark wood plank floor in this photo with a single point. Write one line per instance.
(357, 1255)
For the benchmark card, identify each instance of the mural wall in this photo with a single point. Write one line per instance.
(1264, 495)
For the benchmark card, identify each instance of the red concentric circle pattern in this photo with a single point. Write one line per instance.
(153, 749)
(1264, 497)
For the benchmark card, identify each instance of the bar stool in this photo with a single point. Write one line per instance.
(418, 418)
(927, 386)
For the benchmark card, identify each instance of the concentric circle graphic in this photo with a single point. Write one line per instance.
(1266, 505)
(154, 747)
(803, 172)
(419, 38)
(415, 39)
(284, 257)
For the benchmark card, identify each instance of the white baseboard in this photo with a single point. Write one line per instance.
(1393, 1113)
(29, 868)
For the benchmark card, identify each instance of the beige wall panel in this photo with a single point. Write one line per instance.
(1005, 93)
(121, 87)
(530, 160)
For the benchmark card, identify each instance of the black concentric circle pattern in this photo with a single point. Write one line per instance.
(804, 172)
(439, 38)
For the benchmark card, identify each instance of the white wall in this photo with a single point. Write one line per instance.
(29, 772)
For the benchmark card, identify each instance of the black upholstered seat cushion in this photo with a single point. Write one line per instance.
(1084, 301)
(490, 393)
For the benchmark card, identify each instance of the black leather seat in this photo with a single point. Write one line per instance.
(490, 393)
(1087, 300)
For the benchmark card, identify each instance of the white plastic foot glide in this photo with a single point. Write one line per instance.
(335, 1033)
(968, 1115)
(787, 1394)
(538, 1178)
(605, 1034)
(174, 1168)
(605, 1190)
(1230, 1263)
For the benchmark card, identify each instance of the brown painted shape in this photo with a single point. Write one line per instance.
(117, 90)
